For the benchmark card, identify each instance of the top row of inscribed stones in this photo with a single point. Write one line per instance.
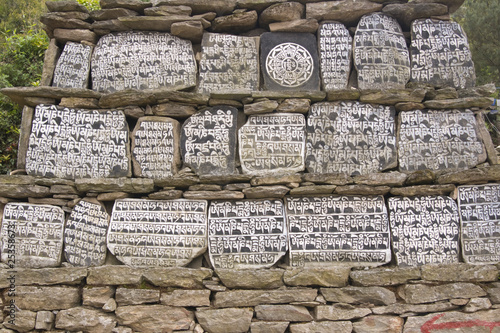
(440, 56)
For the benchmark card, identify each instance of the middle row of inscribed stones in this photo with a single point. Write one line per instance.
(247, 233)
(73, 66)
(350, 137)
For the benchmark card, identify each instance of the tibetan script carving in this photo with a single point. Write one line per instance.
(142, 60)
(424, 230)
(73, 66)
(338, 229)
(479, 207)
(69, 143)
(350, 137)
(440, 54)
(380, 53)
(167, 233)
(246, 233)
(32, 235)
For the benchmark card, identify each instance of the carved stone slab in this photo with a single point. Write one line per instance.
(85, 234)
(335, 49)
(479, 207)
(229, 63)
(73, 66)
(246, 234)
(440, 54)
(167, 233)
(208, 141)
(380, 53)
(155, 147)
(142, 60)
(350, 137)
(351, 230)
(424, 230)
(289, 61)
(272, 144)
(32, 235)
(70, 143)
(438, 140)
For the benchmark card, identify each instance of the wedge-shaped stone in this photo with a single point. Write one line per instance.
(235, 320)
(239, 298)
(148, 318)
(292, 313)
(86, 320)
(421, 293)
(44, 298)
(359, 295)
(340, 311)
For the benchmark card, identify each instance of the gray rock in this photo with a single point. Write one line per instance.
(373, 324)
(191, 30)
(147, 318)
(110, 305)
(327, 178)
(303, 25)
(65, 6)
(66, 20)
(410, 191)
(75, 35)
(340, 311)
(135, 5)
(168, 10)
(268, 327)
(83, 319)
(460, 103)
(45, 276)
(322, 327)
(225, 320)
(178, 181)
(421, 177)
(213, 195)
(45, 320)
(453, 5)
(125, 98)
(455, 319)
(344, 95)
(185, 298)
(111, 14)
(292, 313)
(49, 63)
(314, 95)
(265, 106)
(129, 185)
(259, 192)
(325, 277)
(408, 12)
(393, 178)
(166, 195)
(491, 152)
(178, 277)
(235, 23)
(359, 295)
(385, 276)
(82, 103)
(362, 190)
(493, 291)
(105, 27)
(276, 180)
(24, 322)
(251, 279)
(477, 304)
(35, 298)
(460, 273)
(221, 7)
(402, 308)
(443, 93)
(290, 105)
(240, 298)
(23, 191)
(97, 296)
(112, 196)
(392, 96)
(313, 190)
(281, 12)
(132, 296)
(421, 293)
(347, 12)
(114, 275)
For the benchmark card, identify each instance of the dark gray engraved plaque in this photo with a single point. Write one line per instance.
(424, 230)
(166, 233)
(289, 61)
(85, 234)
(246, 234)
(32, 235)
(142, 60)
(351, 230)
(440, 54)
(73, 66)
(229, 63)
(155, 147)
(438, 140)
(272, 144)
(208, 141)
(350, 137)
(335, 49)
(69, 143)
(479, 207)
(380, 53)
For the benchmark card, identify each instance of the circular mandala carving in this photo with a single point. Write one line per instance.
(289, 64)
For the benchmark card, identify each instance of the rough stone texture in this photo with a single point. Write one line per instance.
(177, 110)
(268, 327)
(281, 12)
(111, 14)
(148, 318)
(23, 191)
(265, 106)
(421, 293)
(185, 298)
(493, 291)
(126, 97)
(45, 298)
(251, 279)
(240, 298)
(192, 30)
(292, 313)
(45, 276)
(340, 311)
(423, 190)
(478, 322)
(65, 6)
(126, 296)
(460, 103)
(97, 296)
(235, 23)
(304, 25)
(347, 12)
(44, 320)
(225, 320)
(135, 5)
(129, 185)
(278, 180)
(66, 20)
(477, 304)
(213, 195)
(24, 321)
(299, 105)
(222, 7)
(382, 179)
(177, 277)
(75, 35)
(322, 327)
(373, 324)
(460, 273)
(86, 320)
(385, 276)
(49, 63)
(359, 295)
(260, 192)
(362, 190)
(323, 277)
(421, 177)
(327, 178)
(392, 96)
(114, 275)
(408, 12)
(313, 190)
(399, 308)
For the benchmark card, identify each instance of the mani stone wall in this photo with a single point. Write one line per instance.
(252, 166)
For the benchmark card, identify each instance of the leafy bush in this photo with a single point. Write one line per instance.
(90, 4)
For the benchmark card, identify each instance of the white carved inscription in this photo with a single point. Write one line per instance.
(73, 66)
(289, 64)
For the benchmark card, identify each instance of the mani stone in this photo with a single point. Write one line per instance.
(155, 147)
(142, 60)
(85, 234)
(350, 230)
(335, 50)
(438, 140)
(381, 56)
(272, 144)
(289, 61)
(72, 143)
(32, 235)
(208, 141)
(424, 230)
(246, 233)
(73, 66)
(162, 233)
(479, 208)
(229, 64)
(350, 137)
(440, 54)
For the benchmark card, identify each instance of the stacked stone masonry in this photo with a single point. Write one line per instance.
(253, 166)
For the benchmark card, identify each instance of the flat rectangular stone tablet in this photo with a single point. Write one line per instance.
(351, 230)
(32, 235)
(424, 230)
(73, 66)
(479, 207)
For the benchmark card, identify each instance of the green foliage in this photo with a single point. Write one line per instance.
(20, 15)
(90, 4)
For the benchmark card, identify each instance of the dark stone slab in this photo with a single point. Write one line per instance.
(335, 50)
(85, 234)
(272, 144)
(351, 230)
(73, 66)
(70, 143)
(208, 141)
(229, 63)
(32, 235)
(381, 56)
(350, 137)
(479, 207)
(166, 233)
(424, 230)
(289, 61)
(246, 234)
(438, 140)
(440, 54)
(142, 60)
